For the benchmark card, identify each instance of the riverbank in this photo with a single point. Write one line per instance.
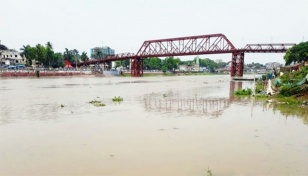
(33, 73)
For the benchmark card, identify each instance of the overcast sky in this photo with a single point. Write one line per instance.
(125, 24)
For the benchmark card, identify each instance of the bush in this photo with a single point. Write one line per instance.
(289, 90)
(294, 77)
(246, 91)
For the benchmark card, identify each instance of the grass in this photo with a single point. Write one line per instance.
(97, 103)
(117, 99)
(246, 91)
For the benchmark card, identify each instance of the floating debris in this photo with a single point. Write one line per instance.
(97, 103)
(62, 106)
(117, 99)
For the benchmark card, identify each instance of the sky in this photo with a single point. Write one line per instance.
(125, 24)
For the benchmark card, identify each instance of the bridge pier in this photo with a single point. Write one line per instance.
(237, 64)
(136, 67)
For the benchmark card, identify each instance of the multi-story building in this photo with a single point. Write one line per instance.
(101, 52)
(11, 57)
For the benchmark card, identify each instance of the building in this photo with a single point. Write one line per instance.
(272, 65)
(103, 52)
(11, 57)
(194, 66)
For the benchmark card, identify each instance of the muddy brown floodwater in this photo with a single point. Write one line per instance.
(165, 126)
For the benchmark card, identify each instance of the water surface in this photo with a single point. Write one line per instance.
(165, 126)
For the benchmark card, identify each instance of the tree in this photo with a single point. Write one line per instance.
(126, 63)
(171, 63)
(220, 63)
(41, 53)
(153, 63)
(297, 54)
(49, 54)
(98, 54)
(3, 47)
(44, 55)
(58, 60)
(68, 55)
(84, 57)
(29, 53)
(209, 63)
(118, 64)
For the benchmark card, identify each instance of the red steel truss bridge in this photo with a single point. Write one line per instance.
(193, 45)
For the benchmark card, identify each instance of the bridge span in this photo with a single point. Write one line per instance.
(192, 45)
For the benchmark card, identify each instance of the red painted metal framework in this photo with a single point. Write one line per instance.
(193, 45)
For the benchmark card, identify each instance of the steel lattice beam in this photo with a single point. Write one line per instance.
(267, 48)
(194, 45)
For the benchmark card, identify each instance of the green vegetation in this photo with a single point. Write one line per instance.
(260, 86)
(293, 83)
(261, 96)
(297, 54)
(173, 63)
(48, 58)
(117, 99)
(246, 91)
(209, 172)
(292, 87)
(293, 77)
(97, 103)
(288, 100)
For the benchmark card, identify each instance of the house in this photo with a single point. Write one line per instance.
(11, 57)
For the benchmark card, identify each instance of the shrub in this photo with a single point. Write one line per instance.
(246, 91)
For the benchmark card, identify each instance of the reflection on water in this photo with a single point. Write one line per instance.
(287, 111)
(164, 126)
(214, 107)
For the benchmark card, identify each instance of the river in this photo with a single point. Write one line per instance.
(181, 125)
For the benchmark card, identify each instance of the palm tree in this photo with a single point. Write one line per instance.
(26, 53)
(40, 53)
(49, 53)
(84, 57)
(68, 55)
(49, 45)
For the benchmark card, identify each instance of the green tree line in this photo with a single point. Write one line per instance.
(45, 55)
(172, 63)
(297, 54)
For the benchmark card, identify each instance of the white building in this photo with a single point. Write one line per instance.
(11, 57)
